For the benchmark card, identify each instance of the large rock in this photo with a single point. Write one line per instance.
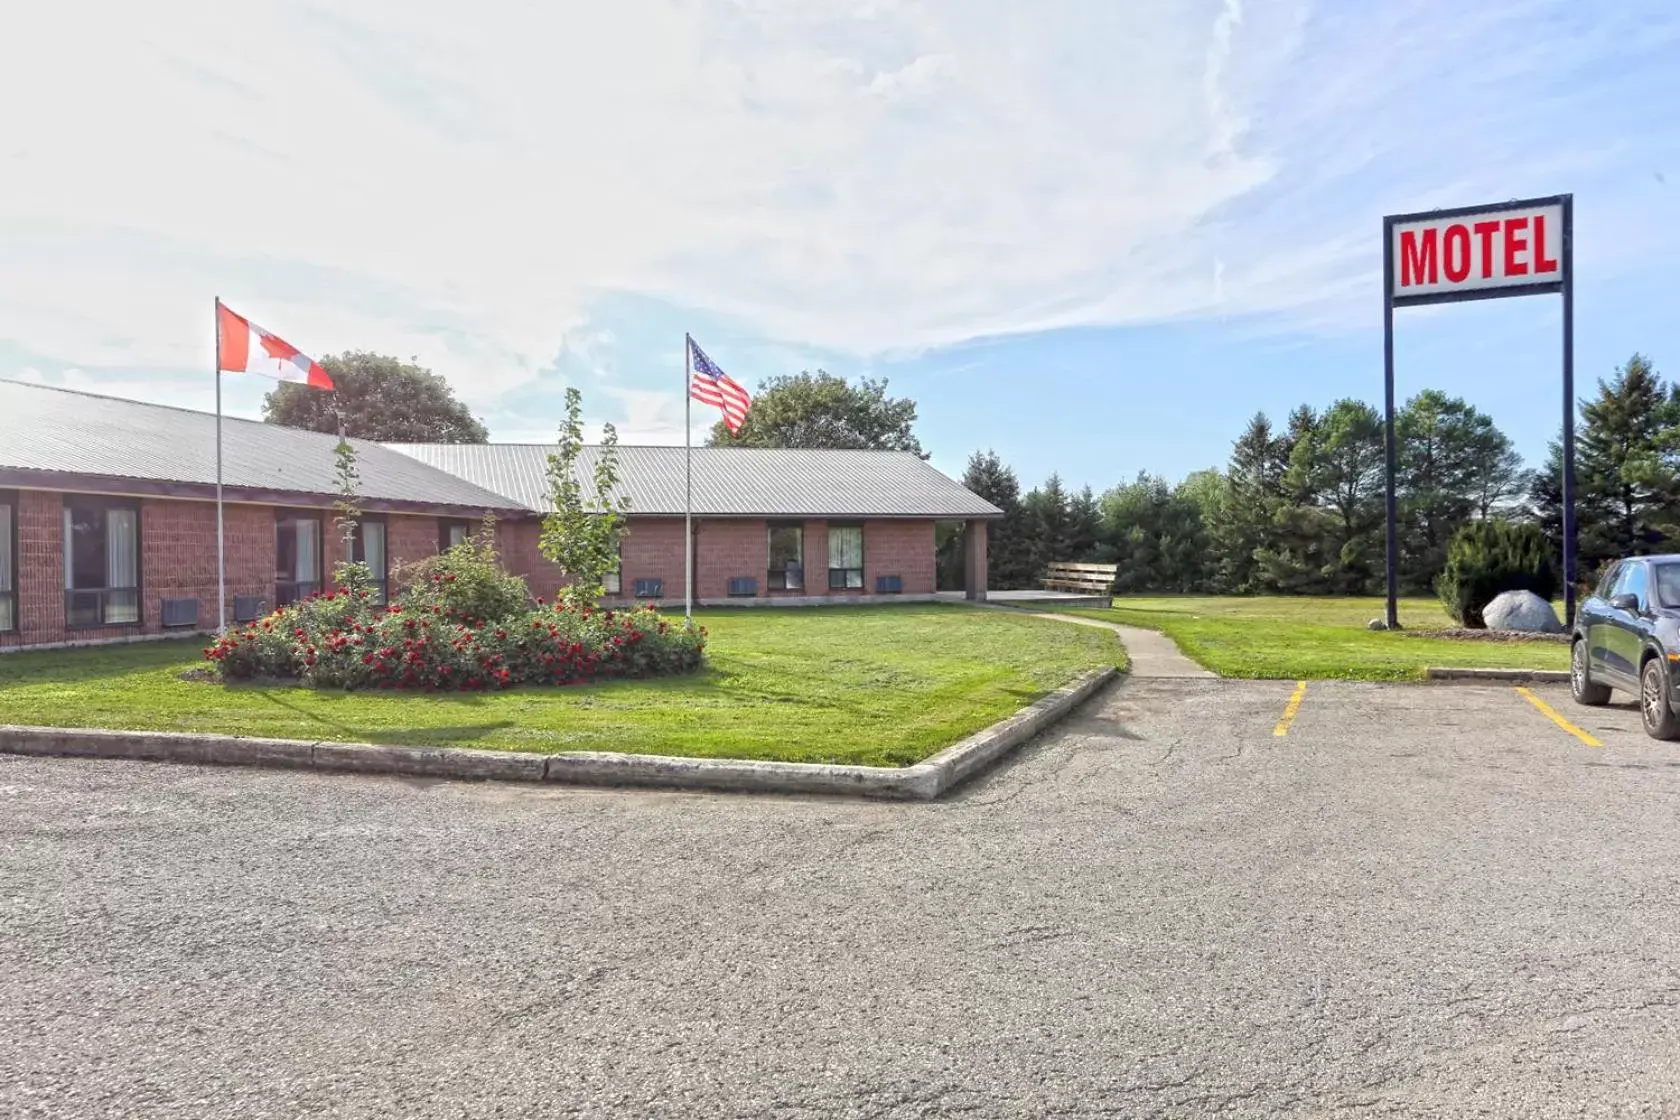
(1523, 611)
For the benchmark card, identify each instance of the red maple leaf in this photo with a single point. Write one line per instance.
(278, 349)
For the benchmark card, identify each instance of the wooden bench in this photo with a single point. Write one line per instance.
(1092, 579)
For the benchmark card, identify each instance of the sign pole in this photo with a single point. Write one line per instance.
(1568, 201)
(1392, 545)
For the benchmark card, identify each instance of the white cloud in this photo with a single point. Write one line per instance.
(864, 177)
(414, 179)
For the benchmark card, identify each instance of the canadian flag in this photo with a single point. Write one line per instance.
(244, 347)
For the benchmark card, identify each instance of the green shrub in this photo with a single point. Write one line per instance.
(466, 583)
(1493, 556)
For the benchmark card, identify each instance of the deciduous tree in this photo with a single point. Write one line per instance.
(379, 398)
(582, 530)
(822, 410)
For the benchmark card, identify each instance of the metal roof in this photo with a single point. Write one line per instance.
(728, 481)
(62, 431)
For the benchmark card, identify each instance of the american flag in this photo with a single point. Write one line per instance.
(710, 385)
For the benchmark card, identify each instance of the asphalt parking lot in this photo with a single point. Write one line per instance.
(1416, 900)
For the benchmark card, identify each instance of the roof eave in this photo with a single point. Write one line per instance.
(25, 478)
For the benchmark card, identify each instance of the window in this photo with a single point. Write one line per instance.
(613, 582)
(297, 557)
(1668, 584)
(368, 547)
(8, 563)
(1608, 583)
(787, 558)
(101, 562)
(1632, 582)
(452, 532)
(845, 557)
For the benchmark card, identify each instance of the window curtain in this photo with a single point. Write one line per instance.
(122, 565)
(69, 549)
(373, 547)
(308, 552)
(372, 536)
(845, 546)
(8, 618)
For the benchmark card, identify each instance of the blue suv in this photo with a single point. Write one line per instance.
(1627, 636)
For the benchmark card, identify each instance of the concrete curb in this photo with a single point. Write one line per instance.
(924, 781)
(1537, 676)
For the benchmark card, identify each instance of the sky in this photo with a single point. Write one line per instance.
(1095, 236)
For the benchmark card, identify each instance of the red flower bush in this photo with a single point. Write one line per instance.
(340, 641)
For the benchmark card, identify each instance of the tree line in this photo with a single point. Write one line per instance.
(1299, 506)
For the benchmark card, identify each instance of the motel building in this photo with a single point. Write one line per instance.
(108, 519)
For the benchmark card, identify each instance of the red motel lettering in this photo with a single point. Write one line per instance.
(1417, 257)
(1542, 263)
(1490, 249)
(1457, 267)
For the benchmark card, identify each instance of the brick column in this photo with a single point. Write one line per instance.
(974, 560)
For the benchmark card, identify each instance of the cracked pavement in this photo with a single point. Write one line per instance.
(1421, 901)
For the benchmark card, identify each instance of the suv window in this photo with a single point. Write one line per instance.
(1632, 582)
(1607, 585)
(1667, 579)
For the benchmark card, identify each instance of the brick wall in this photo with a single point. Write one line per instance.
(975, 559)
(899, 548)
(728, 548)
(177, 560)
(409, 538)
(653, 549)
(40, 574)
(816, 559)
(178, 556)
(516, 541)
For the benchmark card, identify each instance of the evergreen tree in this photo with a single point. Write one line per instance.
(1009, 562)
(1083, 526)
(1545, 501)
(1348, 462)
(1241, 524)
(1156, 535)
(1047, 524)
(1453, 465)
(1627, 464)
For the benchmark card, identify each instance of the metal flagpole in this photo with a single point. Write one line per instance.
(221, 555)
(688, 481)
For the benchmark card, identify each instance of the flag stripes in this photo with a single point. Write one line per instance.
(710, 385)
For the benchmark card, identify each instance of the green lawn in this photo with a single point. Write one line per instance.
(871, 685)
(1306, 637)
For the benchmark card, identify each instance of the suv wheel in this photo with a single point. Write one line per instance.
(1581, 684)
(1654, 709)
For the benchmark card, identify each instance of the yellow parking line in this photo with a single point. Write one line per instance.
(1551, 714)
(1290, 709)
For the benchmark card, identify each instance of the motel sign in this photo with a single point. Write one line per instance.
(1495, 253)
(1517, 248)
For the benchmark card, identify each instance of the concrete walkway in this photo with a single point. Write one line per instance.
(1152, 653)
